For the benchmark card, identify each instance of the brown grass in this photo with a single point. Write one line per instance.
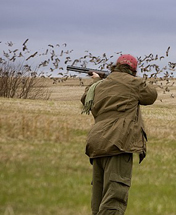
(53, 119)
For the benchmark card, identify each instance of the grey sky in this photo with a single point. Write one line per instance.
(138, 27)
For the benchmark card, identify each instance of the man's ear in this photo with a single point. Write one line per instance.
(134, 73)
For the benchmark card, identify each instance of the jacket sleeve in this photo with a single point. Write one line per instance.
(87, 88)
(147, 93)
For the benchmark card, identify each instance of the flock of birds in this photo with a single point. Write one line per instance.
(55, 58)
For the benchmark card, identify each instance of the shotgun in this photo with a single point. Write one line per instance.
(101, 73)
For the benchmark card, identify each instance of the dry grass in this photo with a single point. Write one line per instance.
(43, 166)
(53, 119)
(160, 118)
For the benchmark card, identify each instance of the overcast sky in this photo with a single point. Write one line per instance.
(137, 27)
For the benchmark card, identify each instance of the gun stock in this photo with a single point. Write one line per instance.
(103, 74)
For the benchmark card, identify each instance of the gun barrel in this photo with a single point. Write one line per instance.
(87, 70)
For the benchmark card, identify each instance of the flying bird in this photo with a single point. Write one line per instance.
(75, 61)
(20, 55)
(13, 58)
(24, 45)
(60, 73)
(27, 67)
(10, 43)
(51, 46)
(161, 57)
(51, 69)
(25, 42)
(6, 54)
(33, 55)
(44, 63)
(167, 52)
(61, 53)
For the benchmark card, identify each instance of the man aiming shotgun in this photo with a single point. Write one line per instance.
(118, 132)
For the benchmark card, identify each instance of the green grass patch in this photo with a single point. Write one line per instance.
(46, 176)
(153, 182)
(54, 178)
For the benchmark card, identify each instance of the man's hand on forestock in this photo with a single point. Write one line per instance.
(95, 75)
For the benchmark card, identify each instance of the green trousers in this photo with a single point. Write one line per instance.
(111, 183)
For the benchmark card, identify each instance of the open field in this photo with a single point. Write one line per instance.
(43, 168)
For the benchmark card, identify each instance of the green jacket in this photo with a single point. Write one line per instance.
(118, 124)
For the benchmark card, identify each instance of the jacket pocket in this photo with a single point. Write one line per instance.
(101, 133)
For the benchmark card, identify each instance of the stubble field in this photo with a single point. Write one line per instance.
(43, 167)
